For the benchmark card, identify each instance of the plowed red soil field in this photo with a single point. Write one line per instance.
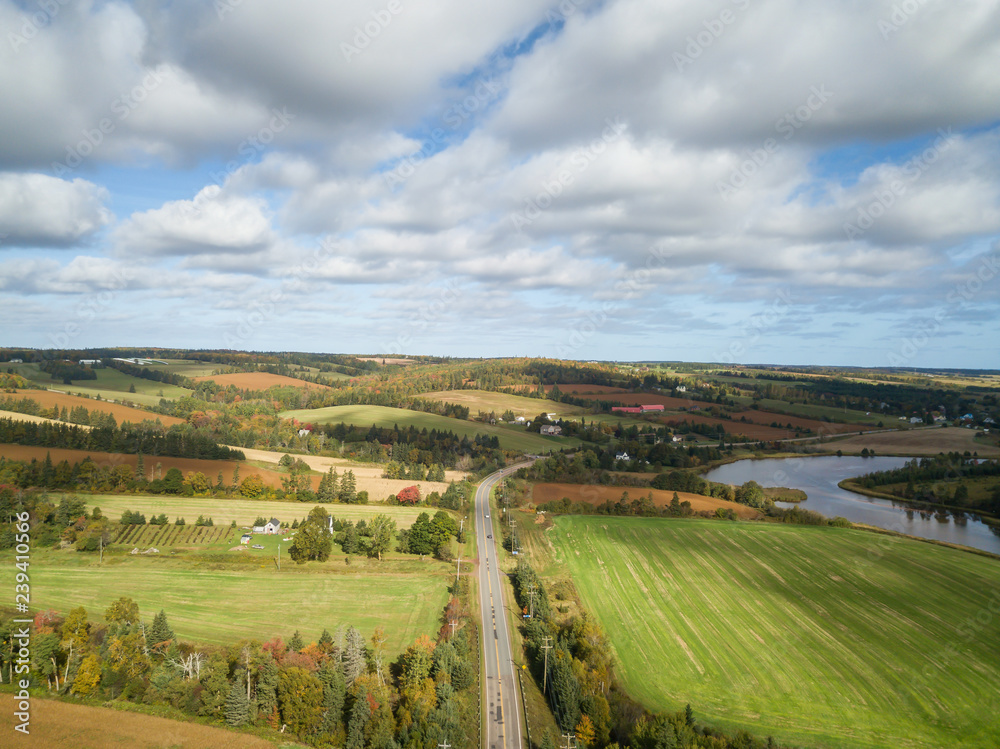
(257, 381)
(48, 399)
(596, 495)
(750, 431)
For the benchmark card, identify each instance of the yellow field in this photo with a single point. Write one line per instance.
(50, 398)
(916, 442)
(55, 724)
(486, 401)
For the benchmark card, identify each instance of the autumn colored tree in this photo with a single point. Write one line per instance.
(409, 495)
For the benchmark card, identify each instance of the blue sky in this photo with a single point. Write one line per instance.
(772, 181)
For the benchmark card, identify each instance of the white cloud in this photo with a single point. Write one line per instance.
(37, 210)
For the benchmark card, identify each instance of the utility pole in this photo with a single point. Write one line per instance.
(453, 623)
(545, 676)
(570, 741)
(459, 570)
(531, 599)
(101, 540)
(445, 745)
(279, 557)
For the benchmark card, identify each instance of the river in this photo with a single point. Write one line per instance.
(818, 478)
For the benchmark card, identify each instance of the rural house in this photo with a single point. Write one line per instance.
(622, 456)
(551, 430)
(273, 526)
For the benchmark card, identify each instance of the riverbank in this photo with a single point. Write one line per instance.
(851, 485)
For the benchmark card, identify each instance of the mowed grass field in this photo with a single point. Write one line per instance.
(487, 400)
(243, 511)
(917, 442)
(511, 438)
(213, 602)
(595, 495)
(821, 637)
(108, 380)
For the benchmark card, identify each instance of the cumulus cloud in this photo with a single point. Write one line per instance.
(41, 211)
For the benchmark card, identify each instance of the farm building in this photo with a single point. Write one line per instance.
(551, 430)
(622, 456)
(304, 432)
(89, 362)
(245, 538)
(626, 409)
(649, 407)
(273, 526)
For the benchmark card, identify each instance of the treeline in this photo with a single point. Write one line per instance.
(939, 480)
(148, 373)
(179, 441)
(592, 467)
(572, 660)
(67, 371)
(337, 690)
(75, 415)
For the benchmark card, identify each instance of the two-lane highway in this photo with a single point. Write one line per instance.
(502, 699)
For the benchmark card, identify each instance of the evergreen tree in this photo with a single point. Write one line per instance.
(328, 488)
(326, 641)
(360, 713)
(237, 705)
(160, 632)
(348, 493)
(296, 642)
(267, 690)
(354, 663)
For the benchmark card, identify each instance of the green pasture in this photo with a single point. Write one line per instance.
(511, 437)
(109, 383)
(821, 637)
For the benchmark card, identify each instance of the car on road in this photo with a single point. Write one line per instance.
(490, 537)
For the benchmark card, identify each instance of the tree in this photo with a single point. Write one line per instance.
(173, 482)
(159, 635)
(409, 495)
(383, 534)
(354, 663)
(752, 495)
(88, 676)
(252, 487)
(348, 488)
(237, 705)
(296, 643)
(300, 699)
(122, 611)
(327, 491)
(75, 629)
(585, 731)
(313, 540)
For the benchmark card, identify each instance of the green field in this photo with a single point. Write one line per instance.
(218, 603)
(511, 438)
(243, 511)
(809, 411)
(109, 382)
(820, 637)
(487, 400)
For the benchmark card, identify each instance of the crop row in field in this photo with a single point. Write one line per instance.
(258, 381)
(819, 636)
(158, 536)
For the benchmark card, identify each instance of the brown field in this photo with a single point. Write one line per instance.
(257, 381)
(210, 468)
(50, 398)
(916, 442)
(55, 724)
(323, 464)
(579, 389)
(595, 495)
(34, 419)
(824, 427)
(378, 488)
(750, 431)
(643, 399)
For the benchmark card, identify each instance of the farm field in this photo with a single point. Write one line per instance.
(185, 367)
(595, 495)
(55, 723)
(733, 428)
(625, 398)
(798, 632)
(810, 411)
(51, 398)
(108, 379)
(218, 603)
(323, 463)
(33, 419)
(769, 417)
(916, 442)
(258, 381)
(511, 438)
(210, 468)
(578, 389)
(487, 400)
(224, 511)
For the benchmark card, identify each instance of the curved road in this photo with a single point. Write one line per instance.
(501, 706)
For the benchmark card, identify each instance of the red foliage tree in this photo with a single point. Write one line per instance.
(408, 496)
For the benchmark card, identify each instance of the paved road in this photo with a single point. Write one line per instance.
(502, 707)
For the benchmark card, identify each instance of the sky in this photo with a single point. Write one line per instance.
(739, 181)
